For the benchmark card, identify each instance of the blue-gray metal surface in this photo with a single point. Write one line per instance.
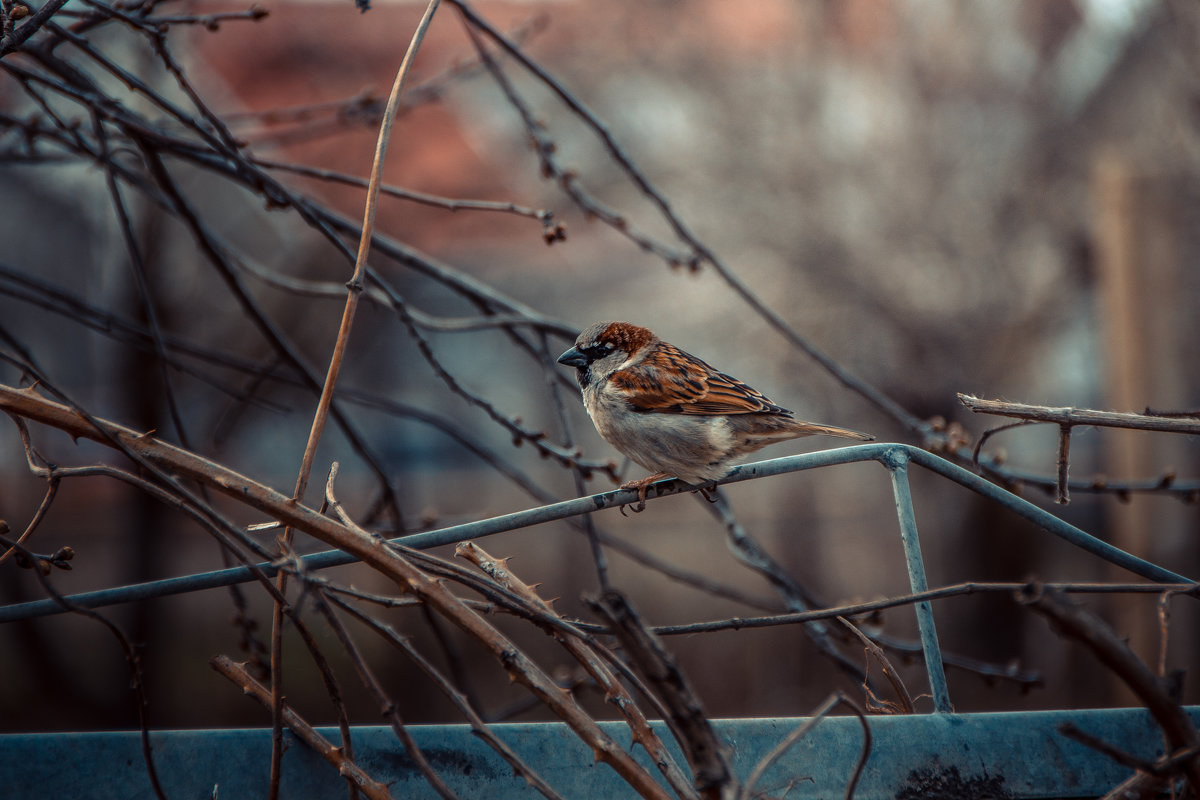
(1011, 755)
(885, 453)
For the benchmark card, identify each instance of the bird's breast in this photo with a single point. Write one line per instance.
(692, 447)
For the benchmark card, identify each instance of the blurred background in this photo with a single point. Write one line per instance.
(999, 198)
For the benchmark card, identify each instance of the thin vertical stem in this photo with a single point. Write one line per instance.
(354, 289)
(1064, 462)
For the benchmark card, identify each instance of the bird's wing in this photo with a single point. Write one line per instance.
(669, 381)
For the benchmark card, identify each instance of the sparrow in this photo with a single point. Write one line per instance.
(672, 413)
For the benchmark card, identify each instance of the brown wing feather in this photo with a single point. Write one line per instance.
(670, 381)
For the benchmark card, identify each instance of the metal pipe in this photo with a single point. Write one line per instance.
(582, 505)
(897, 464)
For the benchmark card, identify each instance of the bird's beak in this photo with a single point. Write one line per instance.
(573, 358)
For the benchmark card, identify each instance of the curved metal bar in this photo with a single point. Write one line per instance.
(883, 452)
(1044, 519)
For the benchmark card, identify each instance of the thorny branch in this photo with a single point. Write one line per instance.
(332, 753)
(706, 753)
(457, 697)
(615, 692)
(384, 558)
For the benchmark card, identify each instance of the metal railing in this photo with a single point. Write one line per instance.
(895, 458)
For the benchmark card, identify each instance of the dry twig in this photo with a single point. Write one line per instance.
(354, 289)
(615, 692)
(136, 679)
(1067, 418)
(305, 732)
(1077, 624)
(705, 752)
(789, 741)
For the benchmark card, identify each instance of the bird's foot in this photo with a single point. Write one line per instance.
(642, 485)
(709, 492)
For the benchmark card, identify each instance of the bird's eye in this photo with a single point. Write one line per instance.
(598, 350)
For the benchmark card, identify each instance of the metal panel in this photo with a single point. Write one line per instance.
(1016, 755)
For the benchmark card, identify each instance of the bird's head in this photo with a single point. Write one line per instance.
(603, 348)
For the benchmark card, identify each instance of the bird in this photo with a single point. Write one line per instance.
(672, 413)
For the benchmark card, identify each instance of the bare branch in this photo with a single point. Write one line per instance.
(1080, 416)
(615, 693)
(354, 289)
(1064, 462)
(458, 698)
(795, 597)
(330, 752)
(52, 483)
(905, 705)
(789, 741)
(705, 752)
(1078, 624)
(12, 41)
(136, 679)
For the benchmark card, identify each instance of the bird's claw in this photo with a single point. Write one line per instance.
(636, 508)
(642, 487)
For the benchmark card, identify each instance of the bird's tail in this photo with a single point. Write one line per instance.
(811, 428)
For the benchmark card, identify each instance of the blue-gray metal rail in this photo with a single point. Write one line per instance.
(1013, 755)
(896, 458)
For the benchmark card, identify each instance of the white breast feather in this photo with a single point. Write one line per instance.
(690, 447)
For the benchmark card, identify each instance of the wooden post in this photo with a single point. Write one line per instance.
(1144, 321)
